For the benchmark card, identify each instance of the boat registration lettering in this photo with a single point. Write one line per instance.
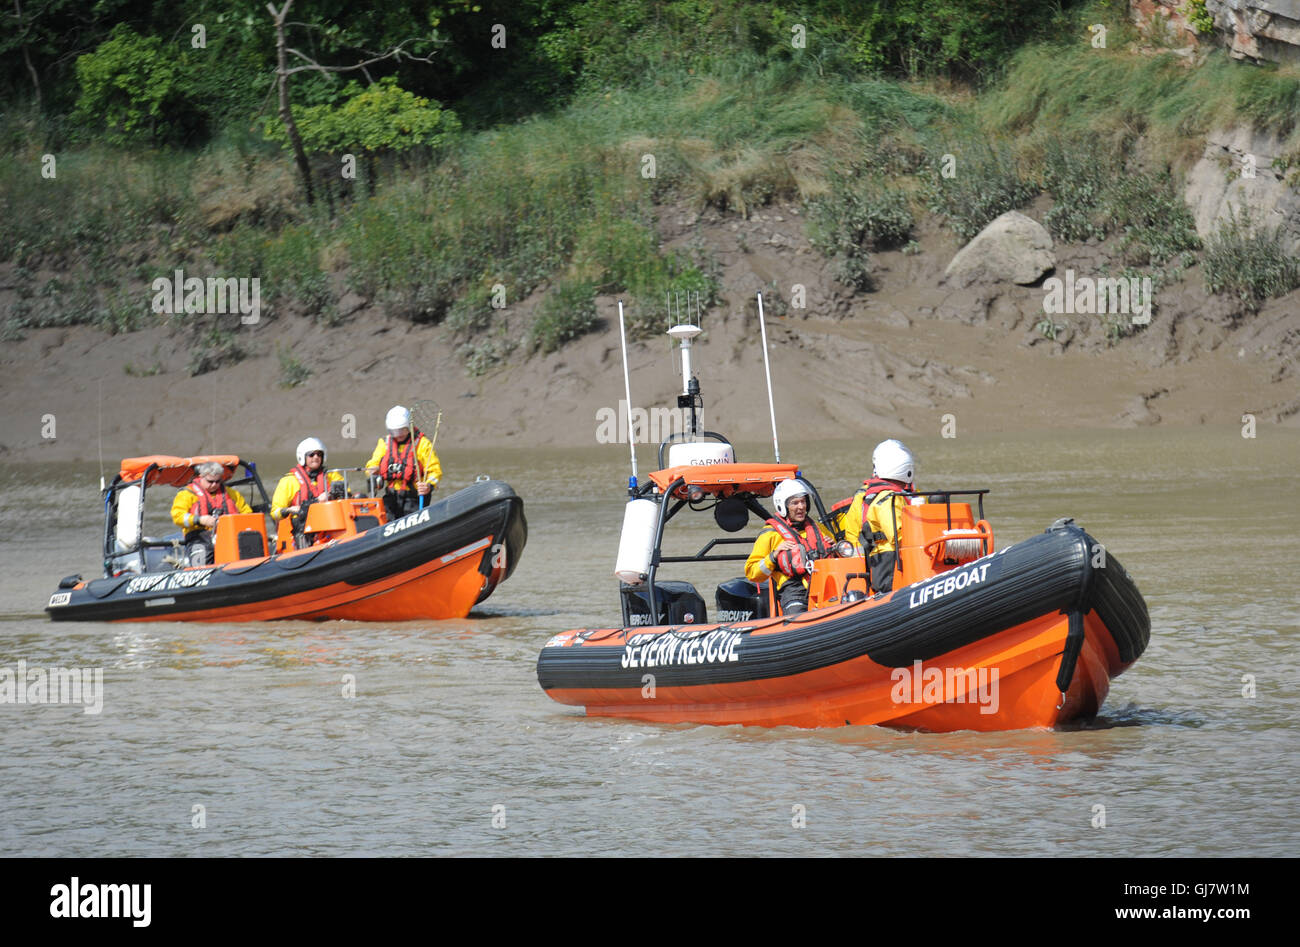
(406, 522)
(952, 582)
(189, 579)
(716, 647)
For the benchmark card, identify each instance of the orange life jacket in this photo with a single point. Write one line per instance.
(205, 505)
(308, 486)
(812, 541)
(870, 489)
(399, 465)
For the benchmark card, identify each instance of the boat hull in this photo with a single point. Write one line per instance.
(436, 563)
(1027, 637)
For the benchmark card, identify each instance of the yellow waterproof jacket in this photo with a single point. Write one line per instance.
(286, 491)
(761, 564)
(879, 520)
(426, 460)
(186, 516)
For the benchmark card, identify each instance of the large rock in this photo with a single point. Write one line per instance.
(1012, 249)
(1259, 29)
(1236, 174)
(1249, 29)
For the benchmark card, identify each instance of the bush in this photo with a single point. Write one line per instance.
(1079, 174)
(215, 348)
(1248, 262)
(1155, 220)
(1095, 197)
(568, 312)
(382, 118)
(133, 88)
(292, 371)
(287, 263)
(855, 219)
(482, 356)
(985, 183)
(868, 215)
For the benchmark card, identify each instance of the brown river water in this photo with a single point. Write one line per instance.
(450, 747)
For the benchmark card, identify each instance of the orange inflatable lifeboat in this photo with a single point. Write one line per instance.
(434, 563)
(969, 637)
(1027, 636)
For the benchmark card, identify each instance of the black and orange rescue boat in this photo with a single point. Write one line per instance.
(968, 638)
(435, 563)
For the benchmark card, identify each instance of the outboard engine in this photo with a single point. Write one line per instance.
(740, 600)
(679, 604)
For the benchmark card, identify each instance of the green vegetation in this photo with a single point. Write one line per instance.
(1079, 175)
(292, 371)
(131, 87)
(216, 347)
(484, 355)
(858, 217)
(146, 372)
(565, 314)
(977, 183)
(1048, 329)
(168, 155)
(1095, 197)
(1197, 15)
(1112, 95)
(381, 118)
(1249, 262)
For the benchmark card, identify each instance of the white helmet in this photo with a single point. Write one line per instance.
(786, 491)
(891, 460)
(398, 418)
(307, 445)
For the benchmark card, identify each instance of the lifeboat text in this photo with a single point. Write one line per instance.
(411, 519)
(716, 647)
(168, 581)
(949, 583)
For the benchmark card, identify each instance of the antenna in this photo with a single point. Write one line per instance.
(762, 322)
(685, 333)
(627, 392)
(101, 435)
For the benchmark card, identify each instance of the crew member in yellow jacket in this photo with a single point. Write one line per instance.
(406, 461)
(870, 520)
(786, 547)
(304, 484)
(197, 506)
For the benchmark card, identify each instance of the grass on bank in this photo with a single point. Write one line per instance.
(564, 204)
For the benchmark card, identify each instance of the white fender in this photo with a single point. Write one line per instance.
(127, 533)
(636, 545)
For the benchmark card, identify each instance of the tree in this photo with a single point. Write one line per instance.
(283, 72)
(129, 84)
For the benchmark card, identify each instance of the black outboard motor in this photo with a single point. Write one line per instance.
(740, 600)
(679, 604)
